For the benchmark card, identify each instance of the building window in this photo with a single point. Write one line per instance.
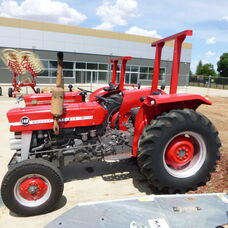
(45, 63)
(128, 68)
(92, 66)
(103, 66)
(52, 73)
(80, 65)
(43, 73)
(117, 77)
(67, 73)
(147, 76)
(144, 70)
(118, 67)
(150, 76)
(127, 78)
(99, 72)
(68, 65)
(53, 64)
(134, 78)
(134, 68)
(162, 74)
(143, 76)
(102, 77)
(80, 75)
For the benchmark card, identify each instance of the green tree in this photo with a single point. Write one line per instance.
(222, 65)
(199, 68)
(208, 69)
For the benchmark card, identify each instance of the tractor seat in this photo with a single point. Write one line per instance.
(156, 93)
(108, 89)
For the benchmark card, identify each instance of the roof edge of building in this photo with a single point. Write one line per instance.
(51, 27)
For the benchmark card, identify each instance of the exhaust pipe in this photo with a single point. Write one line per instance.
(57, 101)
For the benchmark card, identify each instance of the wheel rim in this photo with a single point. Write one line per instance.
(32, 190)
(184, 154)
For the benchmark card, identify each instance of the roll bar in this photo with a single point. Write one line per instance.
(159, 44)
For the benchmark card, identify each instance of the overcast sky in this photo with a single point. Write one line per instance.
(156, 18)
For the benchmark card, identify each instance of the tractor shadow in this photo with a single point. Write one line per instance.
(109, 171)
(60, 204)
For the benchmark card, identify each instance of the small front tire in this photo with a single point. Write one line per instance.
(32, 187)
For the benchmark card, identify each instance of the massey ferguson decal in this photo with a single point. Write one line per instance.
(25, 121)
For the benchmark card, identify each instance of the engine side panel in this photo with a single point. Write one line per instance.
(40, 118)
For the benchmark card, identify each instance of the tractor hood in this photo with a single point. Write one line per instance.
(45, 98)
(39, 117)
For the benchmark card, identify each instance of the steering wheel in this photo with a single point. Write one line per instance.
(84, 90)
(111, 86)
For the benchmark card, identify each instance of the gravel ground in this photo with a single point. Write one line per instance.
(218, 114)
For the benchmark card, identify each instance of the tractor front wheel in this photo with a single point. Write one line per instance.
(178, 151)
(32, 187)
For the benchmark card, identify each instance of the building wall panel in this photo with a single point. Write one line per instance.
(54, 41)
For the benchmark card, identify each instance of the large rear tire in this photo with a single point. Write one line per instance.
(32, 187)
(178, 151)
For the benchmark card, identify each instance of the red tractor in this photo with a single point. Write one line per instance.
(176, 147)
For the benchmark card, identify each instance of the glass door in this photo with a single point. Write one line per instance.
(91, 77)
(134, 78)
(94, 77)
(131, 78)
(127, 78)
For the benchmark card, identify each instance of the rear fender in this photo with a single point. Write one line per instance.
(156, 105)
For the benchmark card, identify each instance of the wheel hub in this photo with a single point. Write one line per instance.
(33, 188)
(179, 152)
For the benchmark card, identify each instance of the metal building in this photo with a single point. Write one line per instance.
(87, 52)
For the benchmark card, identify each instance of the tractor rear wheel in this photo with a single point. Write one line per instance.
(178, 151)
(32, 187)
